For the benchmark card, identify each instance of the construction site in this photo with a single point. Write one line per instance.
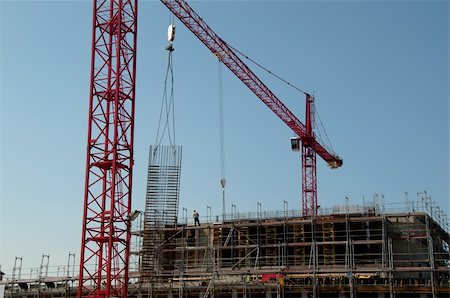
(373, 249)
(369, 250)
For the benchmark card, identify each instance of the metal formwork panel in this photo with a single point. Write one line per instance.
(161, 204)
(163, 186)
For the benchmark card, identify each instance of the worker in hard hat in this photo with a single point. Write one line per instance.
(195, 216)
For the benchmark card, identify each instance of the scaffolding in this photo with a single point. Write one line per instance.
(42, 281)
(344, 251)
(369, 250)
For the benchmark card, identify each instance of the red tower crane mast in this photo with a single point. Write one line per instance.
(310, 145)
(105, 243)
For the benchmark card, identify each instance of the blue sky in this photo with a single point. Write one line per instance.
(380, 72)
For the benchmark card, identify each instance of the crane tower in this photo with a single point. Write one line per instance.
(109, 161)
(105, 244)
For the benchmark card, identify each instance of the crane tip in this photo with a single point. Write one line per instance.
(337, 163)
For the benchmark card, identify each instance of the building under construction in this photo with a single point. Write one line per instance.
(345, 251)
(368, 250)
(348, 251)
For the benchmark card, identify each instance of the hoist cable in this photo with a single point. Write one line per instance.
(172, 98)
(325, 132)
(289, 84)
(221, 134)
(167, 107)
(221, 120)
(267, 70)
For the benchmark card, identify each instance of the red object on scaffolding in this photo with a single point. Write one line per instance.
(105, 245)
(310, 145)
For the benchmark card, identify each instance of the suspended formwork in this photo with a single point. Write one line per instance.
(161, 204)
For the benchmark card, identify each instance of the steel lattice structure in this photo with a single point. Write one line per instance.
(310, 145)
(109, 163)
(309, 177)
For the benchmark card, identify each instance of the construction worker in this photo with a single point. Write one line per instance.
(195, 216)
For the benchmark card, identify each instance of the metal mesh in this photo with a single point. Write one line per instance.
(163, 185)
(161, 204)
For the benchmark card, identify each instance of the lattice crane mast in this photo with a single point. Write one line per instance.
(105, 243)
(310, 146)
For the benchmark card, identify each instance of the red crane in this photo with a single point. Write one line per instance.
(309, 144)
(105, 243)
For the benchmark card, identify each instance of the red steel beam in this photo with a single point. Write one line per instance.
(221, 49)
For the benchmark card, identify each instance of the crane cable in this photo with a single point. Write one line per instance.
(167, 112)
(221, 122)
(291, 85)
(221, 134)
(325, 132)
(267, 70)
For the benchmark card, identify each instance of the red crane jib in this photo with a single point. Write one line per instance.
(220, 48)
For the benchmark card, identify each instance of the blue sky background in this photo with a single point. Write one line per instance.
(380, 72)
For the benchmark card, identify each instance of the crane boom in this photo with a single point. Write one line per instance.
(228, 57)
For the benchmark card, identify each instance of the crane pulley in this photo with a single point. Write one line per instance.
(170, 37)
